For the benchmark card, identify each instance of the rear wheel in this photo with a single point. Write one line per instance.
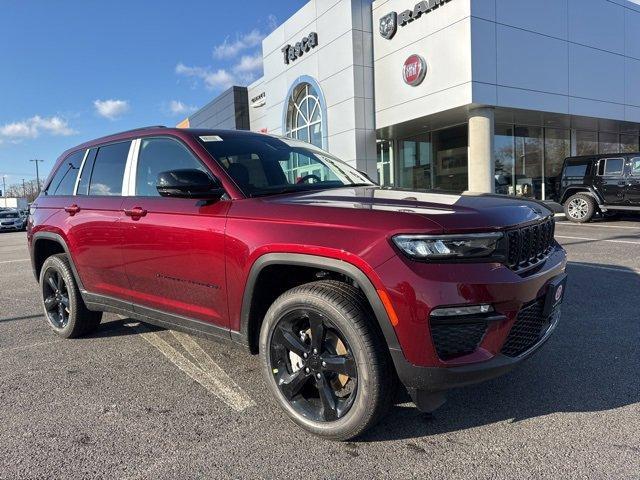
(580, 208)
(324, 361)
(64, 309)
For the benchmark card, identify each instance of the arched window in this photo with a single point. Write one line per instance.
(305, 114)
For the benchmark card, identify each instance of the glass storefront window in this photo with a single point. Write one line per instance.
(557, 147)
(505, 161)
(528, 159)
(414, 163)
(385, 162)
(450, 147)
(629, 143)
(586, 143)
(608, 142)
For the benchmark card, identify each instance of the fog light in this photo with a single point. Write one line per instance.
(461, 311)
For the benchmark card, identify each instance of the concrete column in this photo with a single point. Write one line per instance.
(481, 153)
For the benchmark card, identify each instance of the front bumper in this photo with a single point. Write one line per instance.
(416, 289)
(436, 379)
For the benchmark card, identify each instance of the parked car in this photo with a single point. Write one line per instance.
(600, 184)
(342, 287)
(12, 220)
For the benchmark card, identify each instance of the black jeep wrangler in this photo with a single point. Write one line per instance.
(600, 183)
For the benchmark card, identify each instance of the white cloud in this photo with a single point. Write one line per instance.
(249, 64)
(34, 126)
(213, 79)
(243, 42)
(111, 109)
(176, 107)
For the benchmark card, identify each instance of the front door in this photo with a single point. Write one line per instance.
(633, 183)
(610, 180)
(174, 247)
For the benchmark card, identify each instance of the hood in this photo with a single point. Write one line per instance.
(452, 212)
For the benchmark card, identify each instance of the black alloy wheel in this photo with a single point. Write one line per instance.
(313, 366)
(324, 361)
(56, 298)
(62, 302)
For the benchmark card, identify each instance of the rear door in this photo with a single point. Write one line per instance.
(93, 220)
(610, 180)
(173, 247)
(633, 183)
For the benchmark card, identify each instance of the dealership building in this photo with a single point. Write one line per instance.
(449, 95)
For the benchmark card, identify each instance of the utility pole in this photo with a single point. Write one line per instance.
(24, 189)
(4, 187)
(37, 172)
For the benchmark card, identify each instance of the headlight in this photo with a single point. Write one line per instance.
(449, 247)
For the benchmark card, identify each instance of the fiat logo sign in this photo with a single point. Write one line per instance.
(414, 70)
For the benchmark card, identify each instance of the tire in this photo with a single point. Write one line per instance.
(64, 309)
(580, 208)
(350, 340)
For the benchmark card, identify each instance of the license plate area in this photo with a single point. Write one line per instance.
(556, 290)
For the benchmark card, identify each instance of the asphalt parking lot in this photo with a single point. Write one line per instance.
(137, 402)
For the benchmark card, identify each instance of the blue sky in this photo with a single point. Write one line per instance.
(74, 70)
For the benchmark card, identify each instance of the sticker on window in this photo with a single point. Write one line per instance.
(211, 138)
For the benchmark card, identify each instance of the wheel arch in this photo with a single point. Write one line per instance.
(250, 318)
(46, 244)
(581, 189)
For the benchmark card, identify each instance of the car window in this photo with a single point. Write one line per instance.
(5, 215)
(635, 166)
(267, 165)
(611, 166)
(64, 180)
(575, 170)
(159, 155)
(108, 169)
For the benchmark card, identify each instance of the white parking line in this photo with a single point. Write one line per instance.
(595, 225)
(213, 379)
(229, 389)
(15, 261)
(598, 240)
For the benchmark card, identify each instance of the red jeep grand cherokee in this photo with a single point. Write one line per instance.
(341, 286)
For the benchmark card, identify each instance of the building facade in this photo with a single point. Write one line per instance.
(455, 95)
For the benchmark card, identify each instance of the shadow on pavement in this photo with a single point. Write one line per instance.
(591, 364)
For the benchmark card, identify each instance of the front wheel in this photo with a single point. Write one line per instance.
(324, 361)
(580, 208)
(64, 309)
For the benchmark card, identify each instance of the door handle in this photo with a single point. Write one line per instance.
(135, 212)
(72, 209)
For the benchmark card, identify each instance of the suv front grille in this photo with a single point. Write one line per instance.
(528, 246)
(453, 339)
(529, 328)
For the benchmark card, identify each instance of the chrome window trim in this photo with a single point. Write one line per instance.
(84, 160)
(129, 177)
(604, 170)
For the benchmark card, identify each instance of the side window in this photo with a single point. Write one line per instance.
(159, 155)
(635, 167)
(64, 180)
(108, 169)
(611, 166)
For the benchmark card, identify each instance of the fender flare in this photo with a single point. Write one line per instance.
(324, 263)
(61, 241)
(587, 190)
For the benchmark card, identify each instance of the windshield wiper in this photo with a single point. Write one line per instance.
(278, 191)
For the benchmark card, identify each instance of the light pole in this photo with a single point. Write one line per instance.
(4, 190)
(24, 189)
(37, 172)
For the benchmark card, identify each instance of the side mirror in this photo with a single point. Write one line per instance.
(188, 183)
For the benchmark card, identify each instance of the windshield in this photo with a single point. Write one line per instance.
(9, 215)
(266, 165)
